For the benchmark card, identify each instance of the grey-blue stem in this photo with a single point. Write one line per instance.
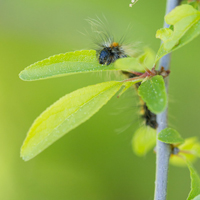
(163, 150)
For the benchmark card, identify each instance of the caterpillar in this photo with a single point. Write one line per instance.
(148, 117)
(109, 52)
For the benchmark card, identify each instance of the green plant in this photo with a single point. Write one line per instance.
(78, 106)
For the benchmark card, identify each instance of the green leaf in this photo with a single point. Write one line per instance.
(66, 114)
(195, 182)
(191, 144)
(129, 64)
(64, 64)
(148, 58)
(197, 198)
(179, 13)
(182, 17)
(164, 33)
(171, 136)
(144, 140)
(186, 21)
(189, 150)
(139, 64)
(153, 92)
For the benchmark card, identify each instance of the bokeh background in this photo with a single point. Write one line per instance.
(94, 161)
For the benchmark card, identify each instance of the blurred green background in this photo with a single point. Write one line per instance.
(94, 161)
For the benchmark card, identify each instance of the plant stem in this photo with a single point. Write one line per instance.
(163, 150)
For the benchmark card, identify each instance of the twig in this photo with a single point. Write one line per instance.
(163, 150)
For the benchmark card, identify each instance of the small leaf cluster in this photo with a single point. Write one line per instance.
(184, 24)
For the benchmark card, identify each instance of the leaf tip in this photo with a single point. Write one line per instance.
(25, 155)
(24, 158)
(21, 76)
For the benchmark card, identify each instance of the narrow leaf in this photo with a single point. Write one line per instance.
(180, 12)
(138, 64)
(144, 140)
(186, 21)
(195, 182)
(64, 64)
(154, 94)
(66, 114)
(171, 136)
(129, 64)
(182, 17)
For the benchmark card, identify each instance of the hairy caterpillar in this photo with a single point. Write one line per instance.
(108, 51)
